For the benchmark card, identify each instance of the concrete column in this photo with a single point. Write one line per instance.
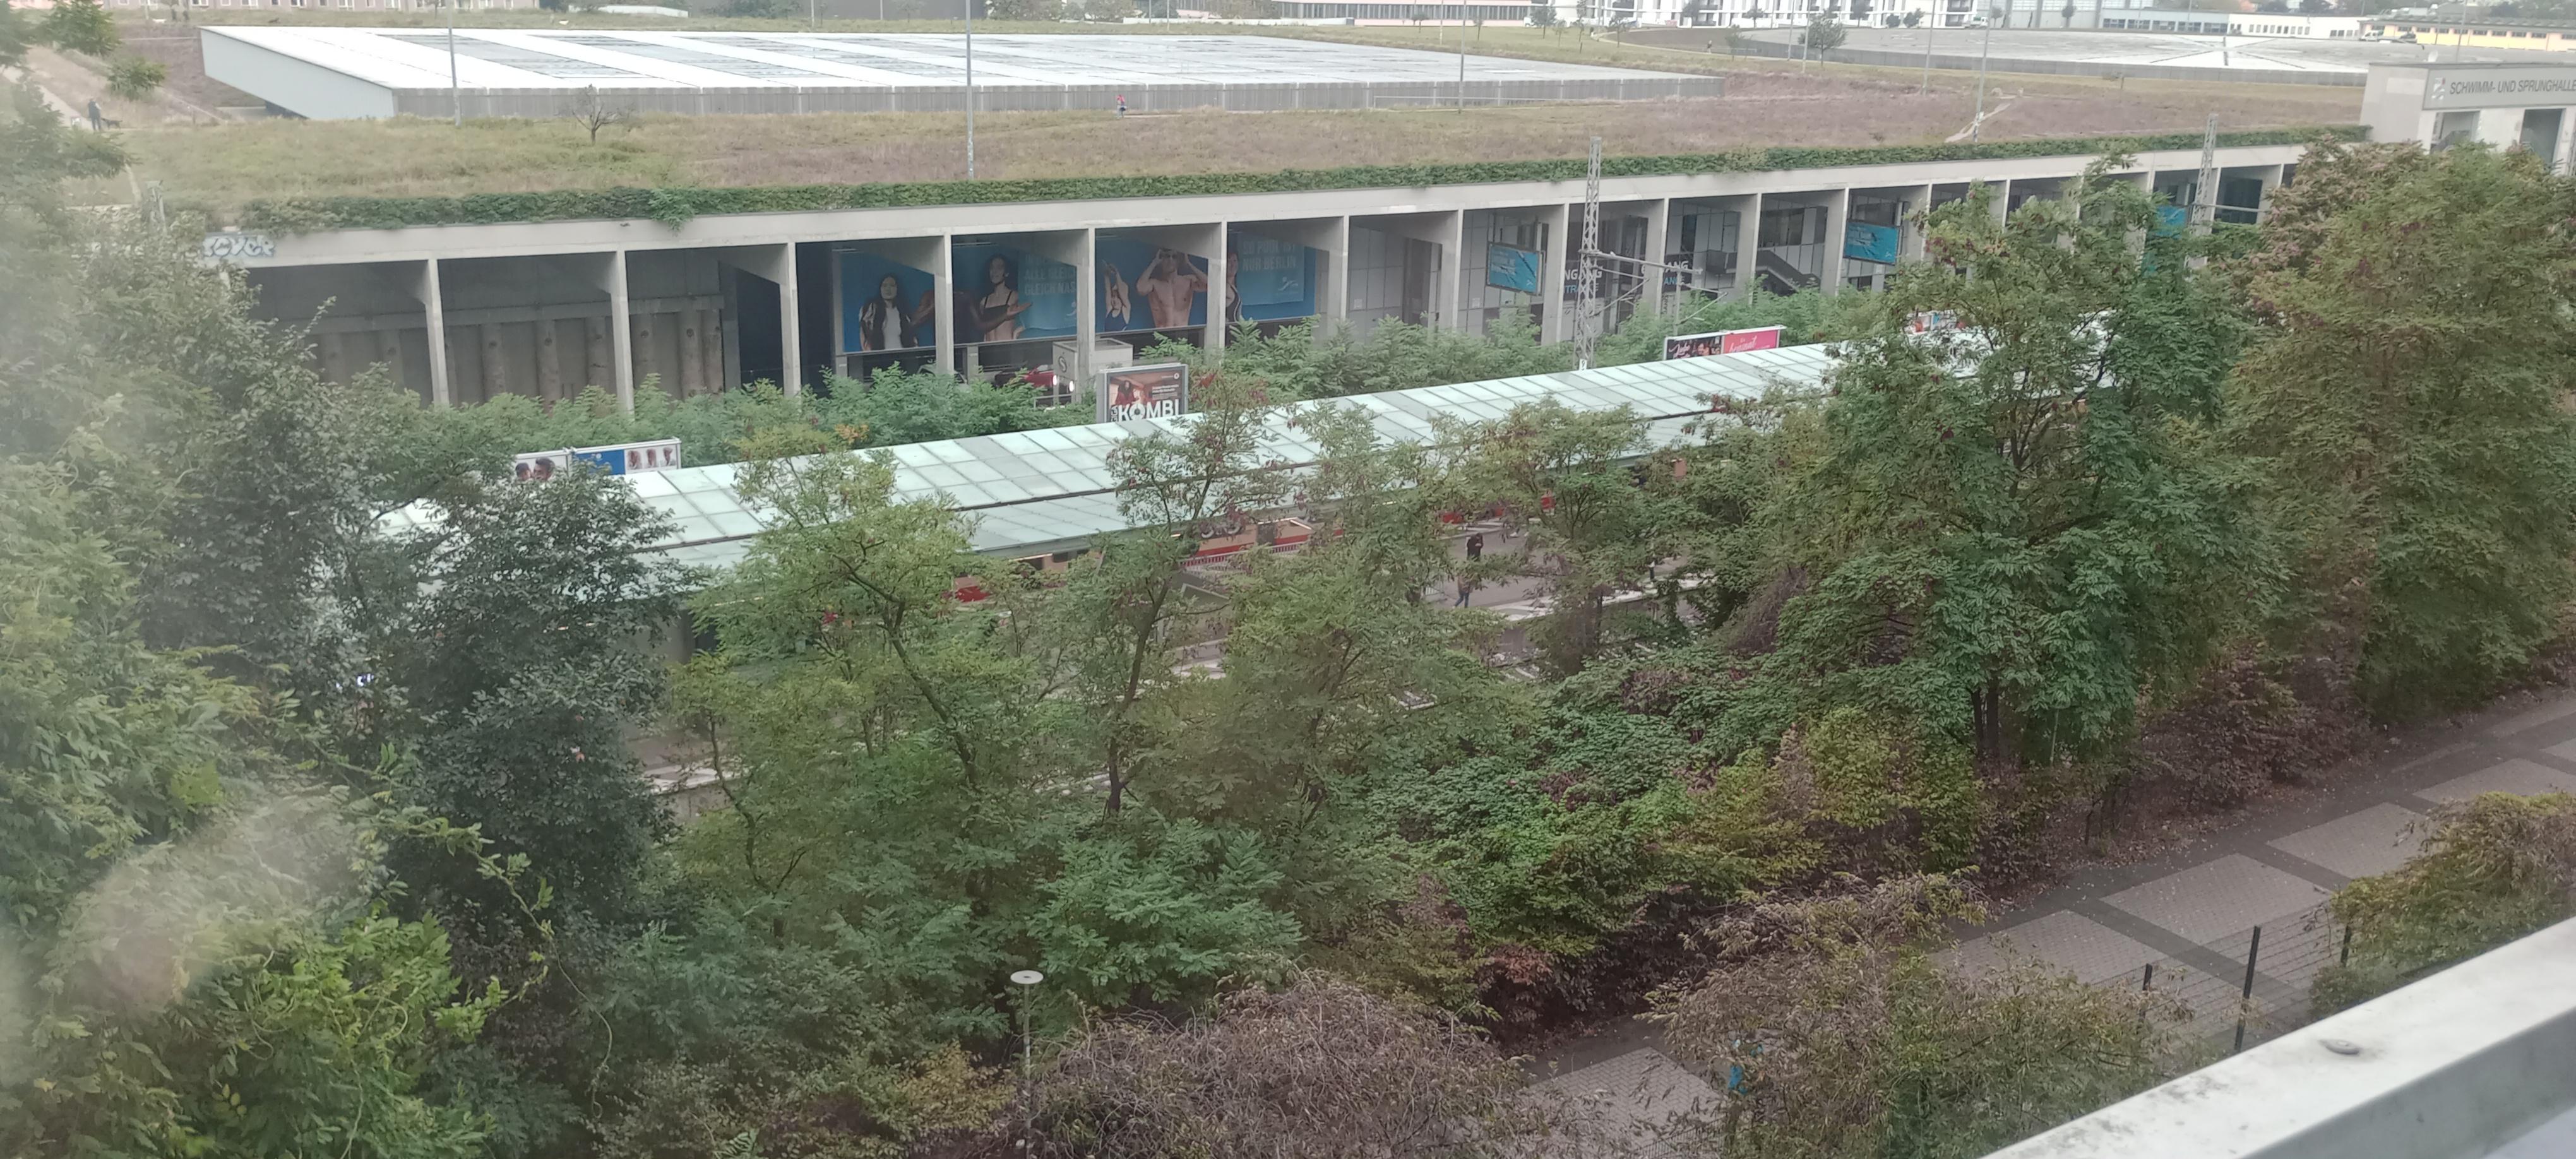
(778, 264)
(424, 288)
(1552, 265)
(1453, 269)
(1910, 249)
(608, 272)
(1659, 221)
(2270, 176)
(1213, 337)
(2003, 201)
(1077, 248)
(943, 286)
(1748, 242)
(1829, 271)
(1337, 273)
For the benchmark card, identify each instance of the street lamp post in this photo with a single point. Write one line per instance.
(1931, 22)
(1976, 128)
(1026, 982)
(970, 90)
(455, 93)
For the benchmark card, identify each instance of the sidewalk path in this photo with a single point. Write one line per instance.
(2192, 911)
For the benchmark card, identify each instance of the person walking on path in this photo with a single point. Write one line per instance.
(97, 117)
(1466, 587)
(1122, 104)
(1475, 547)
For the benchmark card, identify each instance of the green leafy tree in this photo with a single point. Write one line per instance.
(2013, 531)
(136, 78)
(82, 26)
(196, 949)
(1825, 33)
(2404, 400)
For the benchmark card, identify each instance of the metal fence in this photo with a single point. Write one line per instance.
(2248, 986)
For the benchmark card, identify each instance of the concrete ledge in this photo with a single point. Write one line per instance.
(2454, 1066)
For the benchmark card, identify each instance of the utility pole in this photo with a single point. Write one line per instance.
(1976, 128)
(970, 90)
(1586, 279)
(1929, 23)
(1462, 55)
(455, 92)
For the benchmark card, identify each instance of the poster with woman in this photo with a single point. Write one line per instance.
(885, 305)
(1268, 280)
(1007, 294)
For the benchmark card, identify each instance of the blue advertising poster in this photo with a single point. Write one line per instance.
(884, 305)
(1149, 287)
(1007, 294)
(1870, 243)
(1511, 268)
(1268, 280)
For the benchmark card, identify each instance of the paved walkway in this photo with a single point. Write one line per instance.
(2192, 913)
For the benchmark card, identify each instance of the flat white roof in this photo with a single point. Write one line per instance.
(570, 60)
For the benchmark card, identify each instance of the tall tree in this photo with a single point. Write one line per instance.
(2014, 529)
(2405, 399)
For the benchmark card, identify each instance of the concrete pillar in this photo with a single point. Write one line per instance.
(1337, 275)
(2270, 176)
(1659, 221)
(1829, 271)
(1561, 224)
(1910, 248)
(609, 274)
(2003, 201)
(943, 284)
(1078, 248)
(1748, 242)
(778, 264)
(424, 287)
(1213, 337)
(1453, 269)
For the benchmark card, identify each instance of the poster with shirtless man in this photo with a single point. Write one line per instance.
(1149, 287)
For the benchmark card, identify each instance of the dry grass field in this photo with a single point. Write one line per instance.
(1769, 103)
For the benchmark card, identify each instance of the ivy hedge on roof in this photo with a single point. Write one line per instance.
(675, 205)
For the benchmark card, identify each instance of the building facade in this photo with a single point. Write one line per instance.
(463, 313)
(2509, 106)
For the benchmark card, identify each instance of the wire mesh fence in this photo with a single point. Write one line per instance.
(2248, 986)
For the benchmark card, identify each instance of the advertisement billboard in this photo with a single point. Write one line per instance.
(1160, 391)
(1722, 342)
(1007, 294)
(1869, 242)
(613, 459)
(1267, 280)
(1149, 287)
(885, 305)
(1511, 268)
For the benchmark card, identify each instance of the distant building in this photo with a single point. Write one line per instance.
(2529, 35)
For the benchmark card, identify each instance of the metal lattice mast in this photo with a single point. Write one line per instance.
(1587, 279)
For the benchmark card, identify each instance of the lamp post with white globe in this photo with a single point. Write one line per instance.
(1025, 983)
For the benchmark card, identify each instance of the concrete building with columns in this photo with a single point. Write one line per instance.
(2509, 106)
(467, 312)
